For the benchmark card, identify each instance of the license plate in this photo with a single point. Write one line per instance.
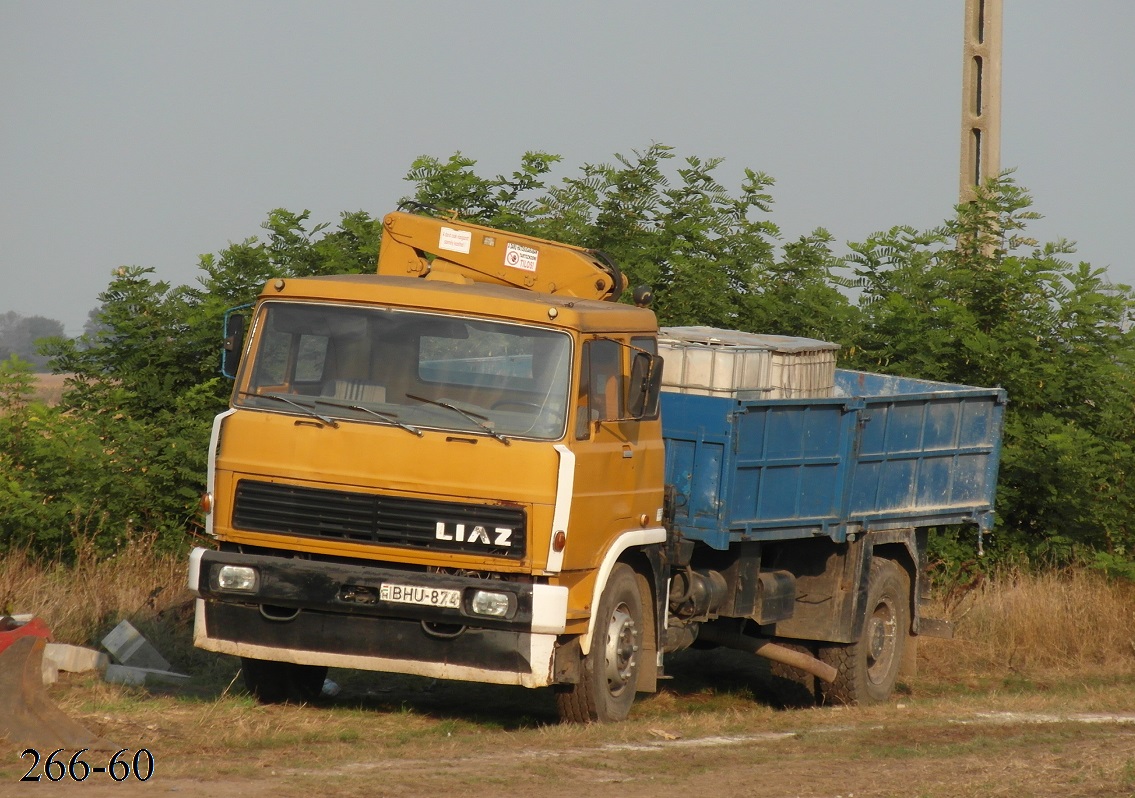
(424, 596)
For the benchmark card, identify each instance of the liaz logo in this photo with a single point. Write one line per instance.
(500, 536)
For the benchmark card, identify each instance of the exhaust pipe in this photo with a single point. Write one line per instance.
(769, 650)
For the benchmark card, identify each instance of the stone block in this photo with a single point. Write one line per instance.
(75, 659)
(124, 674)
(129, 647)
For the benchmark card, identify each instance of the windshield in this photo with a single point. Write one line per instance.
(408, 369)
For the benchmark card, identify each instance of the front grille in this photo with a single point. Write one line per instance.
(492, 530)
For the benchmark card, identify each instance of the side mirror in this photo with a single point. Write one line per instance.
(234, 341)
(645, 385)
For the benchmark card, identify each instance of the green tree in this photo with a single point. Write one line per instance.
(291, 248)
(978, 302)
(684, 234)
(148, 350)
(65, 475)
(126, 449)
(974, 301)
(804, 293)
(505, 202)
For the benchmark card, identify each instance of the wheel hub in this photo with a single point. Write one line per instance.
(881, 631)
(621, 649)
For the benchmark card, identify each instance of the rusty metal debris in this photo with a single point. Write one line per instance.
(27, 716)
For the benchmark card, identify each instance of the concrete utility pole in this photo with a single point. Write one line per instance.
(981, 95)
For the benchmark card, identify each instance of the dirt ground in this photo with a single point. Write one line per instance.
(721, 725)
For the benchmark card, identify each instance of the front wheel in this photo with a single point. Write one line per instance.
(607, 684)
(869, 668)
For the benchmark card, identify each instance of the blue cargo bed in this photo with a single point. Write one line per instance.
(883, 453)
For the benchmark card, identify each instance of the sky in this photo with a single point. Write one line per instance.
(146, 133)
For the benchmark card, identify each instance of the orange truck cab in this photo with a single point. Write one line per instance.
(435, 477)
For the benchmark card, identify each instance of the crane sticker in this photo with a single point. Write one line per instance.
(455, 240)
(521, 257)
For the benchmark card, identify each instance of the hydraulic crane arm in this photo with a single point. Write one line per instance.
(450, 249)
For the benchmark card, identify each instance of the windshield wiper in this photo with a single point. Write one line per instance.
(476, 418)
(390, 418)
(308, 410)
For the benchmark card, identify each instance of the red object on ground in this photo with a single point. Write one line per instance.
(33, 628)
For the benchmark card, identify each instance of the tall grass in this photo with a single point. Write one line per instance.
(48, 388)
(1047, 623)
(83, 599)
(1053, 624)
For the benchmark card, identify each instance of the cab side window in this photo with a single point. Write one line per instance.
(602, 387)
(645, 343)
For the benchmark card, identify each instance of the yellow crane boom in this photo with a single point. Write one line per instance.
(450, 249)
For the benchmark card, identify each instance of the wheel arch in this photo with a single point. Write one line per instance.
(641, 549)
(904, 549)
(841, 571)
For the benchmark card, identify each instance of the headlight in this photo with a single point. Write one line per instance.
(240, 578)
(492, 603)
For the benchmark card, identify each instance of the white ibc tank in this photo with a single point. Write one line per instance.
(711, 362)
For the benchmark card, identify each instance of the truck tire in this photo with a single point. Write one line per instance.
(869, 668)
(794, 687)
(280, 682)
(607, 684)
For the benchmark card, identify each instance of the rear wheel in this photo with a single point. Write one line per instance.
(794, 687)
(607, 685)
(869, 668)
(280, 682)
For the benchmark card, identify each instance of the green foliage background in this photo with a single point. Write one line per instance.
(972, 301)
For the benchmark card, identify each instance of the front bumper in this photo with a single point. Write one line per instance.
(322, 613)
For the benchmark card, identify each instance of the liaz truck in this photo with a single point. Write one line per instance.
(475, 465)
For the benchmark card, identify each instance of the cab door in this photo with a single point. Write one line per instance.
(618, 469)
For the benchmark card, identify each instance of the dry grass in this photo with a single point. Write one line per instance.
(81, 601)
(49, 388)
(1047, 625)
